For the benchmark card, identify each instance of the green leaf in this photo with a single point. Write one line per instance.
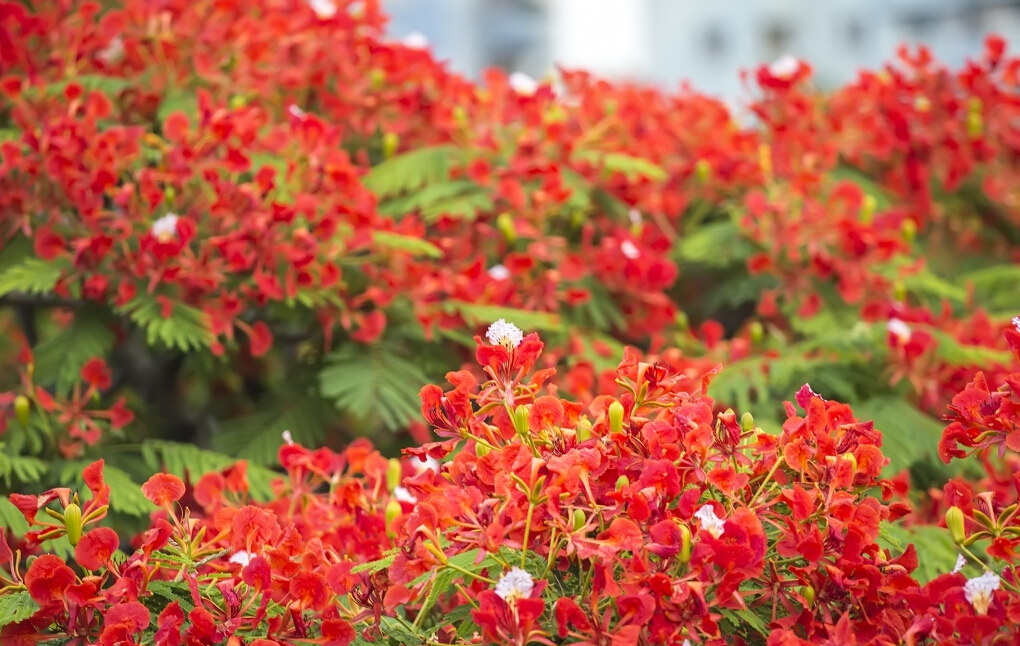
(412, 170)
(11, 518)
(630, 166)
(171, 591)
(257, 437)
(32, 276)
(186, 329)
(408, 244)
(967, 356)
(108, 85)
(938, 553)
(439, 587)
(60, 358)
(716, 244)
(994, 287)
(16, 607)
(378, 381)
(404, 633)
(928, 284)
(186, 102)
(742, 617)
(479, 314)
(374, 566)
(25, 468)
(427, 197)
(125, 494)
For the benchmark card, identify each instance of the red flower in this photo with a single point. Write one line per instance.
(47, 579)
(95, 548)
(163, 489)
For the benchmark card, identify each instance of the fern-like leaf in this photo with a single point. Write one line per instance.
(187, 328)
(412, 170)
(31, 276)
(59, 359)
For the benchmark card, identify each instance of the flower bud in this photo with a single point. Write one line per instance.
(909, 230)
(746, 422)
(393, 510)
(521, 421)
(72, 523)
(975, 124)
(579, 519)
(868, 207)
(616, 417)
(505, 224)
(22, 406)
(685, 544)
(703, 170)
(390, 141)
(621, 482)
(955, 523)
(169, 195)
(394, 474)
(682, 322)
(757, 331)
(237, 102)
(583, 431)
(808, 593)
(852, 459)
(899, 291)
(460, 115)
(378, 77)
(482, 450)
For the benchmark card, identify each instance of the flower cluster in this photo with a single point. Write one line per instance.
(649, 516)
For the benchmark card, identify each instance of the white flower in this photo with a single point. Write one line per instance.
(709, 521)
(522, 83)
(323, 8)
(634, 215)
(515, 584)
(415, 40)
(429, 464)
(979, 591)
(296, 111)
(403, 495)
(784, 67)
(112, 51)
(499, 272)
(505, 334)
(242, 557)
(165, 228)
(629, 250)
(288, 438)
(1016, 323)
(900, 329)
(960, 563)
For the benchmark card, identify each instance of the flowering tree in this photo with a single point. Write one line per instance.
(648, 518)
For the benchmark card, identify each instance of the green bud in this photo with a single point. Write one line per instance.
(169, 194)
(481, 450)
(22, 406)
(394, 474)
(616, 417)
(390, 141)
(955, 523)
(746, 422)
(808, 593)
(703, 170)
(899, 291)
(505, 224)
(378, 77)
(757, 331)
(685, 544)
(868, 207)
(583, 431)
(72, 523)
(460, 115)
(237, 102)
(682, 322)
(621, 482)
(975, 124)
(909, 230)
(521, 421)
(393, 511)
(579, 519)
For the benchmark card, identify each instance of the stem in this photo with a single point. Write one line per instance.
(527, 531)
(761, 488)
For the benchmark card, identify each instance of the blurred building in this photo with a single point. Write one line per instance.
(706, 43)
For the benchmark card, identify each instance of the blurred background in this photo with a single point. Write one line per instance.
(666, 42)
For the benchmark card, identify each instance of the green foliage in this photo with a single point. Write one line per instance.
(412, 170)
(31, 276)
(934, 543)
(11, 518)
(257, 437)
(477, 314)
(374, 381)
(908, 435)
(628, 165)
(185, 329)
(190, 463)
(25, 468)
(408, 244)
(16, 607)
(60, 358)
